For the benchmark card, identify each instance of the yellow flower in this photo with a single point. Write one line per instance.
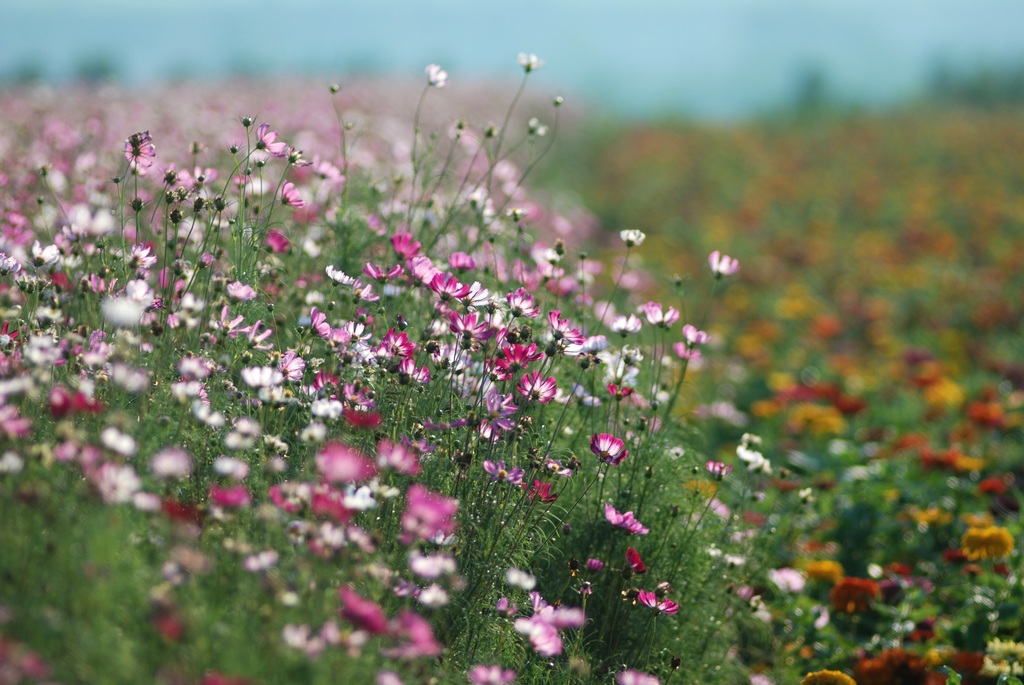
(944, 392)
(990, 542)
(825, 569)
(939, 656)
(817, 419)
(827, 678)
(982, 520)
(965, 464)
(932, 516)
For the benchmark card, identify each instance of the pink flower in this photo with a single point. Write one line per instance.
(460, 261)
(521, 303)
(516, 358)
(339, 463)
(362, 613)
(625, 521)
(139, 150)
(500, 472)
(418, 638)
(396, 456)
(608, 448)
(427, 515)
(490, 675)
(276, 241)
(266, 141)
(405, 247)
(651, 600)
(11, 424)
(718, 469)
(657, 317)
(788, 579)
(466, 327)
(722, 265)
(632, 677)
(290, 196)
(537, 389)
(171, 462)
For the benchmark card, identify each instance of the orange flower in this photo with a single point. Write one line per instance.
(892, 667)
(853, 595)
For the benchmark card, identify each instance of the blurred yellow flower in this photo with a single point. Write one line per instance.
(932, 516)
(990, 542)
(825, 569)
(704, 487)
(965, 464)
(978, 520)
(944, 393)
(817, 419)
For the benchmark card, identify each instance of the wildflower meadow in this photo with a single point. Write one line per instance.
(308, 384)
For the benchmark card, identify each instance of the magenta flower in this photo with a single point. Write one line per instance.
(395, 344)
(466, 327)
(339, 463)
(608, 448)
(362, 613)
(404, 245)
(499, 472)
(232, 496)
(515, 358)
(427, 515)
(562, 331)
(625, 521)
(490, 675)
(594, 564)
(650, 599)
(722, 265)
(448, 287)
(537, 389)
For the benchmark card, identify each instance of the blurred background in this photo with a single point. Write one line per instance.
(645, 59)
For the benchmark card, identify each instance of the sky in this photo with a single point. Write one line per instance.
(709, 59)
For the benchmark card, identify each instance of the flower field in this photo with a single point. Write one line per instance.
(311, 385)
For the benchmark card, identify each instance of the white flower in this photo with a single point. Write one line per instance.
(632, 237)
(520, 579)
(262, 376)
(433, 596)
(530, 62)
(436, 76)
(121, 312)
(230, 467)
(116, 441)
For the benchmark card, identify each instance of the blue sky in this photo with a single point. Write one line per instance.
(711, 58)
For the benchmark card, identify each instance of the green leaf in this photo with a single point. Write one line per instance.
(1007, 679)
(952, 677)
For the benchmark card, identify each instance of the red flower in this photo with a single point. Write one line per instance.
(633, 557)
